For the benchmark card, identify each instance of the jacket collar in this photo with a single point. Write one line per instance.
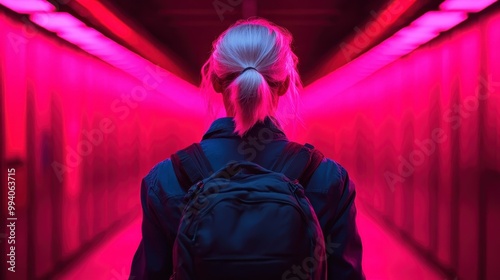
(224, 128)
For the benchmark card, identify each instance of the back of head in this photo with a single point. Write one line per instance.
(252, 65)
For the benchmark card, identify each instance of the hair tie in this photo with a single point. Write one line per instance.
(248, 68)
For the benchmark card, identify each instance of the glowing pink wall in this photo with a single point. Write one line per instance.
(445, 199)
(81, 135)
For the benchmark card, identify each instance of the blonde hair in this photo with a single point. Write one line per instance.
(251, 59)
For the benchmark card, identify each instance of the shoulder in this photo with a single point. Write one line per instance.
(330, 190)
(161, 181)
(330, 176)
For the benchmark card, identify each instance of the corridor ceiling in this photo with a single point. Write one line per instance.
(188, 27)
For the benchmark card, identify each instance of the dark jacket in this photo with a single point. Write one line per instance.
(330, 192)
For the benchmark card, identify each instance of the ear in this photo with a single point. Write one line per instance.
(217, 84)
(284, 86)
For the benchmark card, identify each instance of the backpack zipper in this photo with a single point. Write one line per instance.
(193, 192)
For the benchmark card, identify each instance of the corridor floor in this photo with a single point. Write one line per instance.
(384, 257)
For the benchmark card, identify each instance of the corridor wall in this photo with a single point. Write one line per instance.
(80, 134)
(421, 139)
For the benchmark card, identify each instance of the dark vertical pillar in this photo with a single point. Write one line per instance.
(455, 182)
(434, 186)
(483, 184)
(54, 152)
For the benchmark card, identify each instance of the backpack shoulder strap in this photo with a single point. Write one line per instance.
(298, 162)
(316, 158)
(191, 165)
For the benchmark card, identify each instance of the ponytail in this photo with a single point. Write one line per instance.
(251, 97)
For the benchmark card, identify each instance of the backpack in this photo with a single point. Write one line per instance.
(247, 222)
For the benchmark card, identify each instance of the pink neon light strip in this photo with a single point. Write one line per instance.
(28, 6)
(56, 22)
(88, 39)
(466, 5)
(439, 21)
